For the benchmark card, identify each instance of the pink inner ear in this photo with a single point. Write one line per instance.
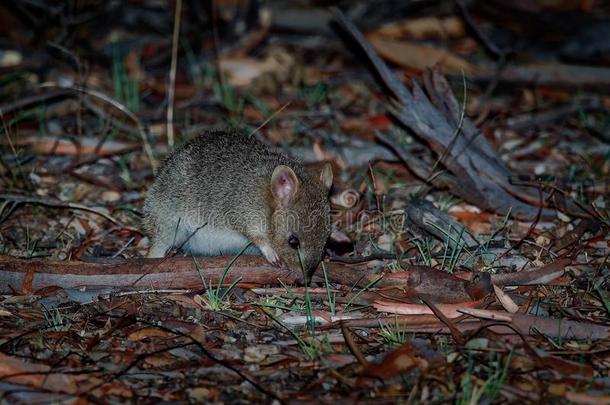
(284, 186)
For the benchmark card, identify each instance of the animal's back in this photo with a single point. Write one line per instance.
(216, 180)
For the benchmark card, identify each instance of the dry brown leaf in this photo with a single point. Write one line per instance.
(587, 399)
(15, 370)
(424, 28)
(158, 360)
(449, 310)
(242, 71)
(259, 353)
(279, 64)
(203, 394)
(182, 91)
(186, 301)
(113, 387)
(505, 300)
(396, 362)
(198, 334)
(420, 57)
(145, 333)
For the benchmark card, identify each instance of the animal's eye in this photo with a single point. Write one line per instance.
(293, 241)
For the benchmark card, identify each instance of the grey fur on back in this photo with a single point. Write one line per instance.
(191, 175)
(206, 179)
(219, 183)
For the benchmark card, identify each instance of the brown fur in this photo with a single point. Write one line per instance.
(220, 183)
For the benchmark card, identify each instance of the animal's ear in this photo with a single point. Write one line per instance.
(326, 176)
(284, 184)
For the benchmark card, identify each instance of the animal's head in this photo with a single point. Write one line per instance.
(300, 222)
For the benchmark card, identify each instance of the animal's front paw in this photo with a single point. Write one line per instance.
(270, 255)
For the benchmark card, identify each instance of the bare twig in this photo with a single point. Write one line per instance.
(172, 75)
(125, 246)
(455, 332)
(272, 116)
(51, 202)
(352, 346)
(542, 275)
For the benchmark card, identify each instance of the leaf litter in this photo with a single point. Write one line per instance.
(469, 256)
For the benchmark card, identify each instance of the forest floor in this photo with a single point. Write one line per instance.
(468, 261)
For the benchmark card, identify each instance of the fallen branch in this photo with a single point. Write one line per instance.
(541, 275)
(179, 272)
(424, 216)
(509, 324)
(551, 327)
(176, 272)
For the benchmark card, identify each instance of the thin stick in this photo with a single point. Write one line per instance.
(172, 75)
(352, 346)
(50, 202)
(221, 78)
(272, 116)
(117, 254)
